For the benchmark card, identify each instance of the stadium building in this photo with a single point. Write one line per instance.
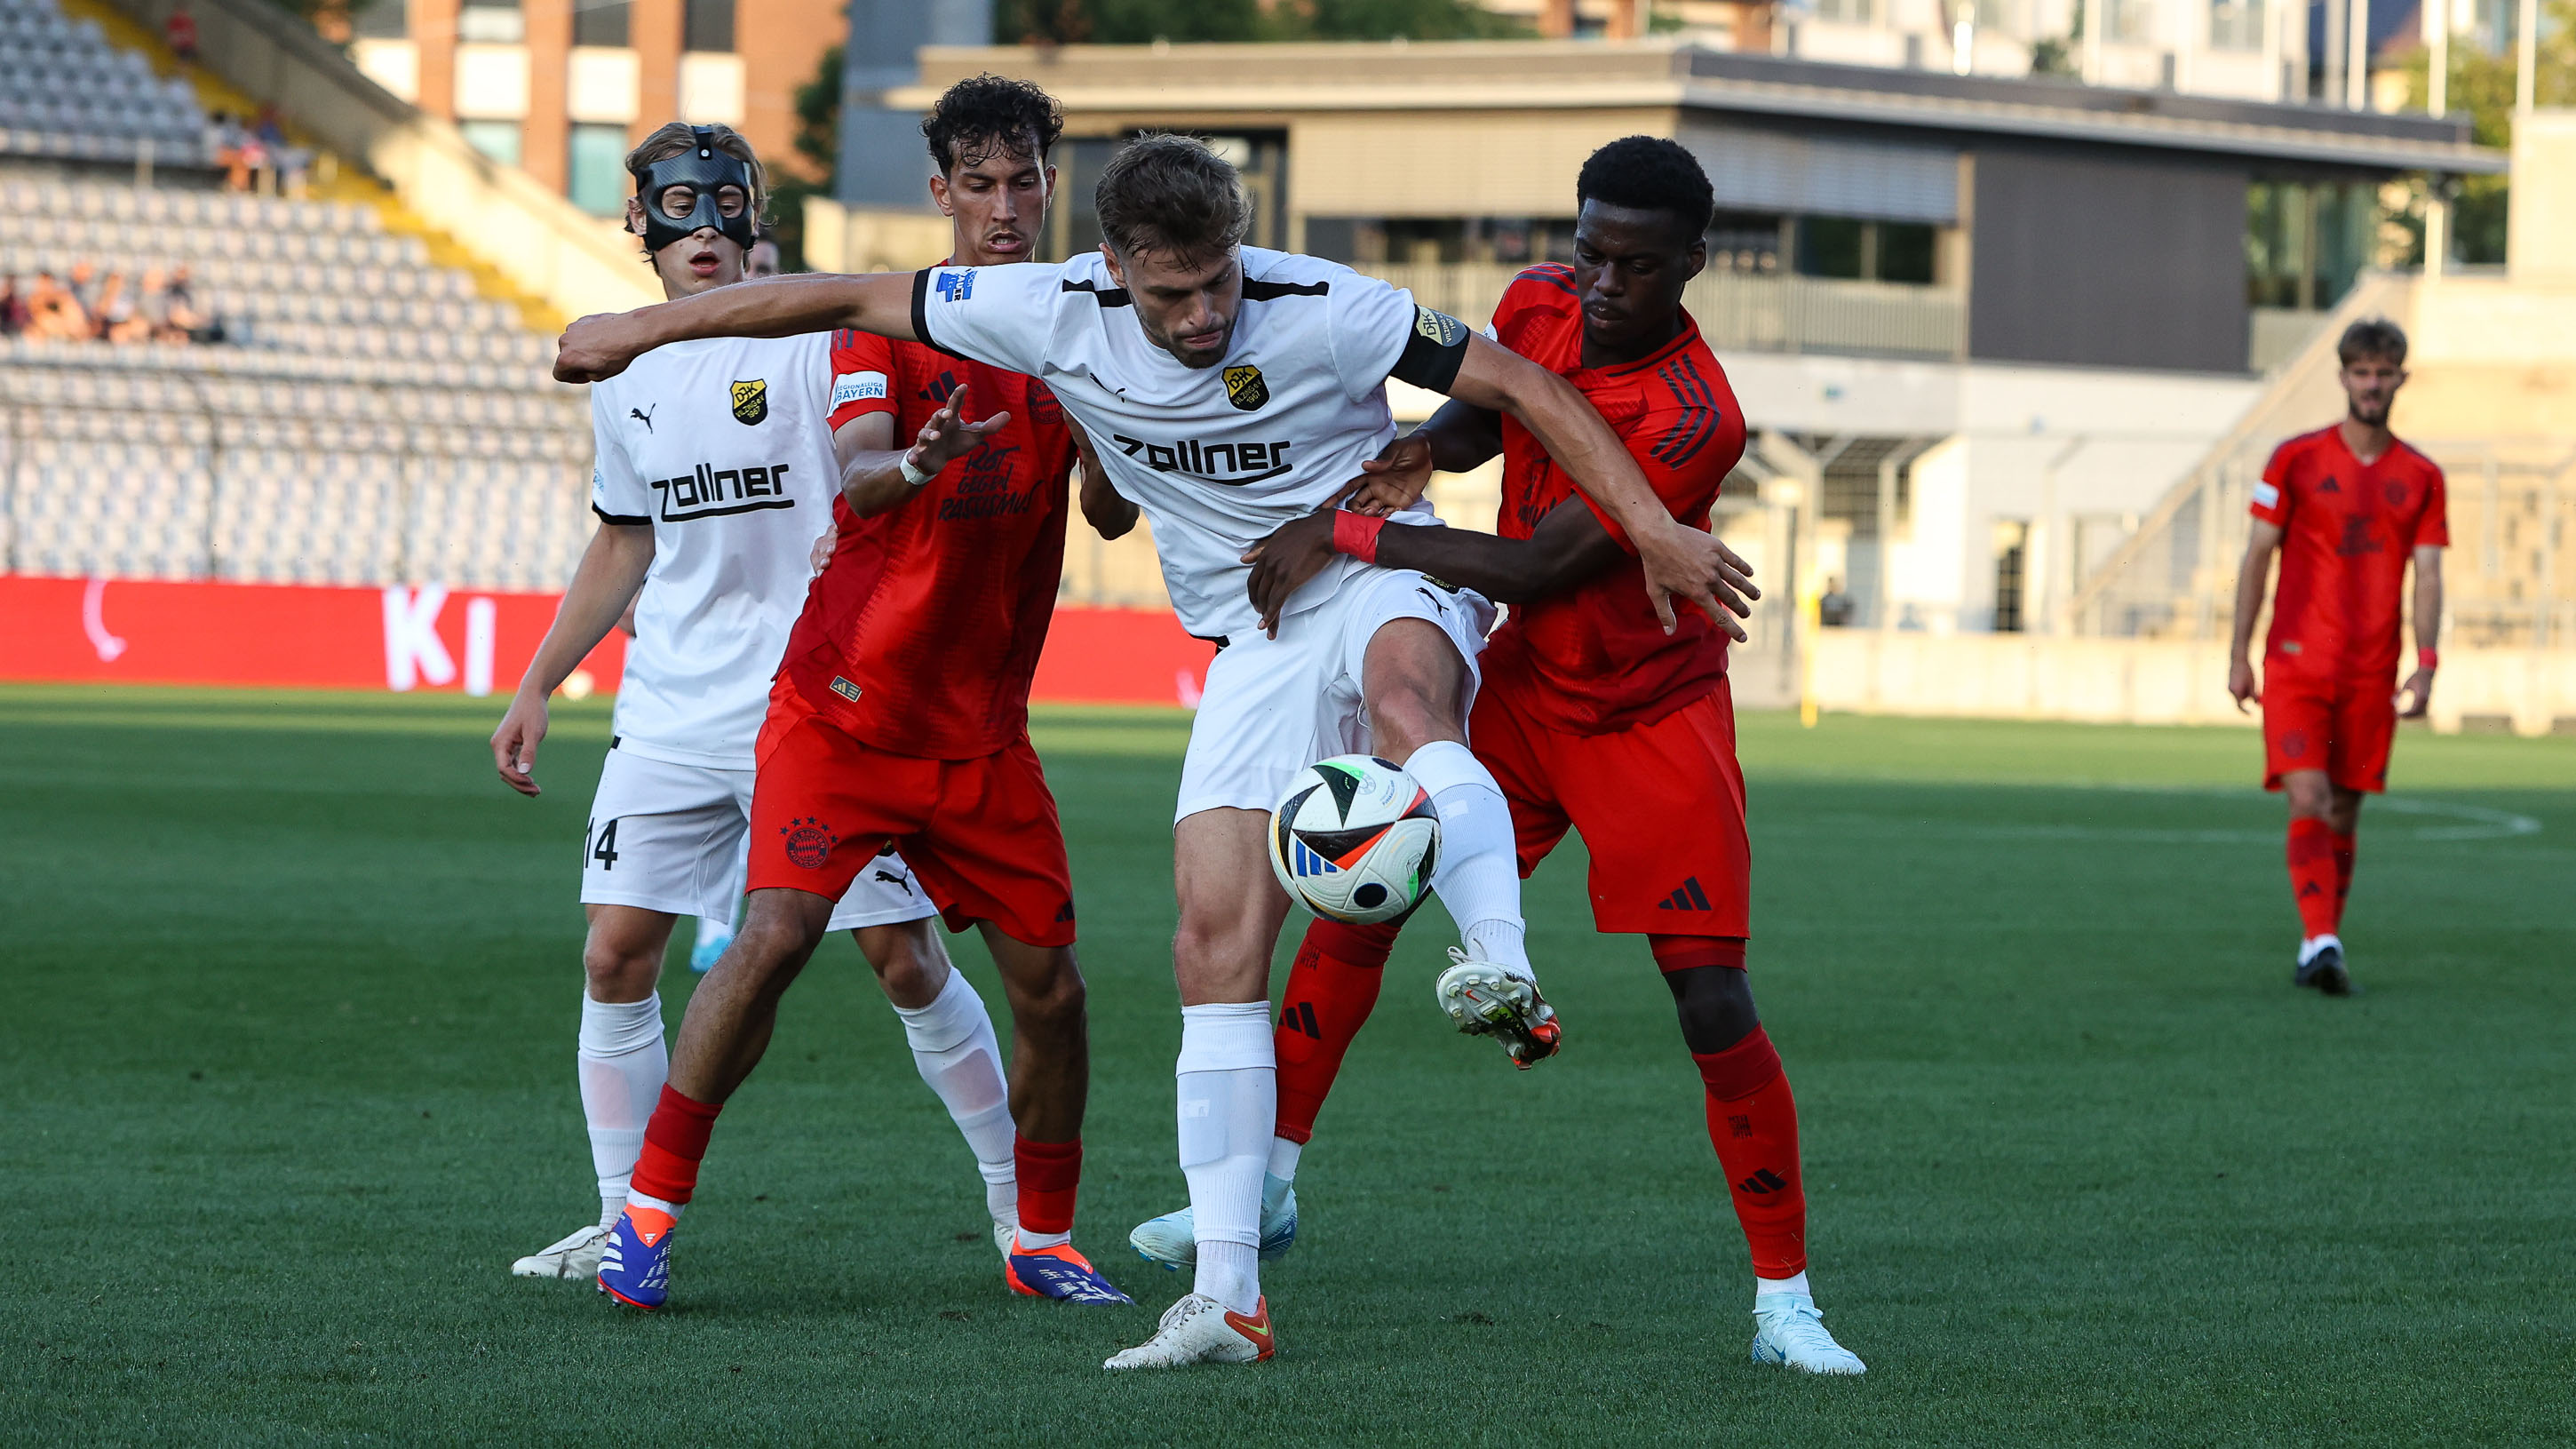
(2012, 347)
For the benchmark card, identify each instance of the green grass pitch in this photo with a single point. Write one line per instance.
(286, 1081)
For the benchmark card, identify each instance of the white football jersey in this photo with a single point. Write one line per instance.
(1217, 456)
(723, 446)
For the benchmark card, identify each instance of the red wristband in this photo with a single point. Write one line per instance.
(2427, 659)
(1356, 534)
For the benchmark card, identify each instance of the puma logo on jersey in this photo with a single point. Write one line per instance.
(644, 416)
(1215, 462)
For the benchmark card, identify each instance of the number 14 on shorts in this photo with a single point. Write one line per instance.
(600, 844)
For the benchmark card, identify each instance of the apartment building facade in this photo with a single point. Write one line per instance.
(562, 88)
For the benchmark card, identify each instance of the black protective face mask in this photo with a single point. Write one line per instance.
(704, 169)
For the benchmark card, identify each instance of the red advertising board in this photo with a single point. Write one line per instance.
(139, 631)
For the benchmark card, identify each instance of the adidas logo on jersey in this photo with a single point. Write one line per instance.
(1216, 462)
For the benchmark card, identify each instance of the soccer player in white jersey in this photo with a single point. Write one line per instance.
(716, 474)
(1227, 389)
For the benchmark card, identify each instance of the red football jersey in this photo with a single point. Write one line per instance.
(2347, 534)
(922, 633)
(1594, 658)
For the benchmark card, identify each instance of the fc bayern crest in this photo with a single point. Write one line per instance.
(809, 842)
(1245, 389)
(751, 401)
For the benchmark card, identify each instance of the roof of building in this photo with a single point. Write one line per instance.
(1280, 80)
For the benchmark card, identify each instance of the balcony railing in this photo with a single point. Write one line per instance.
(1745, 313)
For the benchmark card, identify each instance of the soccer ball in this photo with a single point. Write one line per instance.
(1355, 839)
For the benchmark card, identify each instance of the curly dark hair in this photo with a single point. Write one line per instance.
(986, 116)
(1649, 173)
(2374, 337)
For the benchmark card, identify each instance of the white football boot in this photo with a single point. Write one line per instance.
(1790, 1332)
(1173, 1241)
(1198, 1329)
(1487, 999)
(577, 1256)
(1003, 1236)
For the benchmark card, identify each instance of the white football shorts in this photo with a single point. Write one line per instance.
(674, 838)
(1274, 706)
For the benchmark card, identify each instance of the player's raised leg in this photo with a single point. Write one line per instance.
(1231, 910)
(1416, 681)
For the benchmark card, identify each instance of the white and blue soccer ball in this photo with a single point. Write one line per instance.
(1355, 839)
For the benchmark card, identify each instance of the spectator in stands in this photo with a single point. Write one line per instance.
(181, 321)
(118, 318)
(86, 288)
(53, 313)
(232, 150)
(13, 308)
(180, 30)
(762, 260)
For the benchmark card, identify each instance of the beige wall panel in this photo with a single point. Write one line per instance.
(1464, 163)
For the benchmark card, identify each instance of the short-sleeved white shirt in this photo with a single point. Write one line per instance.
(1217, 457)
(721, 445)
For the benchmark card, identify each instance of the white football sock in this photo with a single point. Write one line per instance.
(1764, 1287)
(954, 1046)
(622, 1062)
(1228, 1079)
(2311, 945)
(1284, 1155)
(1478, 874)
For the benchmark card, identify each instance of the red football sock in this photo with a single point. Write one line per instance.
(675, 1141)
(1332, 988)
(2312, 876)
(1050, 1173)
(2344, 845)
(1753, 1121)
(1685, 953)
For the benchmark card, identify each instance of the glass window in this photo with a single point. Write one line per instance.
(597, 178)
(496, 139)
(382, 20)
(2236, 25)
(708, 26)
(1829, 246)
(600, 22)
(489, 24)
(1904, 252)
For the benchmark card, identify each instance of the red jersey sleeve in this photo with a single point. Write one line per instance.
(2272, 494)
(2433, 525)
(862, 375)
(1685, 441)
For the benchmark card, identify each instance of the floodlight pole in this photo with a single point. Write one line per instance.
(2437, 104)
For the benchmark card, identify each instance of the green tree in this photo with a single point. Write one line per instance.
(2483, 86)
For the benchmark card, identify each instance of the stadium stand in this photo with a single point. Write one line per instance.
(368, 420)
(65, 92)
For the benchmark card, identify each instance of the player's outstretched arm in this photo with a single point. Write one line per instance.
(876, 475)
(2251, 578)
(602, 344)
(1681, 562)
(612, 569)
(1568, 547)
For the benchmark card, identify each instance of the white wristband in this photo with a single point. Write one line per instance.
(912, 475)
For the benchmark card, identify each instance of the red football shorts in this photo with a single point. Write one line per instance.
(981, 835)
(2342, 727)
(1661, 808)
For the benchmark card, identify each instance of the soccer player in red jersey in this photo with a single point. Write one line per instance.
(2348, 507)
(1592, 717)
(900, 716)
